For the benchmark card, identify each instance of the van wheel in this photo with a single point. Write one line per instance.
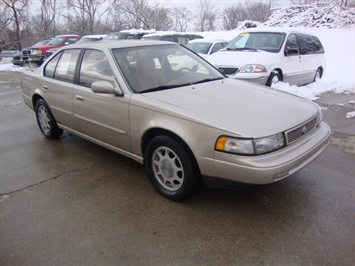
(273, 79)
(318, 74)
(170, 168)
(46, 121)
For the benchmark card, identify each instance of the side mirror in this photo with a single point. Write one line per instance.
(291, 51)
(105, 87)
(66, 43)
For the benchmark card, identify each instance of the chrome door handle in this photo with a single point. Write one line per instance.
(80, 98)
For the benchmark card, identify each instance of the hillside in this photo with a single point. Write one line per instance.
(312, 16)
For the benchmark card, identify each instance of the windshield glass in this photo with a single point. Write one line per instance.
(160, 67)
(116, 36)
(56, 41)
(266, 41)
(199, 48)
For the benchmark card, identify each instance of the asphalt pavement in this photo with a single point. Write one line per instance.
(71, 202)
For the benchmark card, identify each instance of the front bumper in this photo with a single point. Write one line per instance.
(33, 58)
(268, 168)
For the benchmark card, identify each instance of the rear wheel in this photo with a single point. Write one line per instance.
(46, 121)
(170, 168)
(318, 74)
(273, 79)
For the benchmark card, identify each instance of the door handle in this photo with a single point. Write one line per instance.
(80, 98)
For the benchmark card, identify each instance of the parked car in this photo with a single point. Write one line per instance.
(183, 124)
(126, 35)
(272, 55)
(17, 57)
(178, 37)
(206, 47)
(37, 53)
(92, 38)
(84, 39)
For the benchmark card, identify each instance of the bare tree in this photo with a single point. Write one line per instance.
(233, 15)
(258, 11)
(254, 11)
(142, 14)
(86, 15)
(206, 15)
(45, 22)
(15, 12)
(181, 17)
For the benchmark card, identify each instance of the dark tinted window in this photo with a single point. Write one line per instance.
(292, 47)
(309, 44)
(218, 46)
(95, 67)
(168, 38)
(72, 40)
(65, 69)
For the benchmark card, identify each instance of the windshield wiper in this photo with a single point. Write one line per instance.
(165, 87)
(207, 80)
(242, 49)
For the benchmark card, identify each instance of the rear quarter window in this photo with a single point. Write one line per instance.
(309, 44)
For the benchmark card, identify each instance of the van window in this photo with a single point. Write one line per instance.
(309, 44)
(266, 41)
(292, 47)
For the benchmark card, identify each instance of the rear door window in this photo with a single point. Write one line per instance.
(65, 69)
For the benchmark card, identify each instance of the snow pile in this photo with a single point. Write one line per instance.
(313, 16)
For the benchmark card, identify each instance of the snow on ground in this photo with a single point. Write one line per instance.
(339, 76)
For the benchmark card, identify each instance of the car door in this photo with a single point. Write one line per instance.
(103, 117)
(58, 83)
(292, 66)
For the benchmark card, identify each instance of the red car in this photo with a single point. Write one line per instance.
(37, 53)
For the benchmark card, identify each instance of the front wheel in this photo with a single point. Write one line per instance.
(46, 121)
(170, 168)
(273, 79)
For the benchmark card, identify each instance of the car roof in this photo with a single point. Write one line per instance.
(120, 44)
(207, 41)
(94, 36)
(163, 33)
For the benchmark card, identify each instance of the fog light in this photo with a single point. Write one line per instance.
(280, 175)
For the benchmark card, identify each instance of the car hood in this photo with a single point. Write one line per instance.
(238, 107)
(239, 58)
(46, 46)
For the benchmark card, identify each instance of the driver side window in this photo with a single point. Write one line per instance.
(292, 47)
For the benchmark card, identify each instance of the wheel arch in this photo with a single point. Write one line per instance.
(154, 132)
(35, 99)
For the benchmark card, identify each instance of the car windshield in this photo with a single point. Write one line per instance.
(266, 41)
(56, 41)
(116, 36)
(160, 67)
(200, 48)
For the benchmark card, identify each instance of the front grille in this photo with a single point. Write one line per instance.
(26, 52)
(301, 131)
(228, 70)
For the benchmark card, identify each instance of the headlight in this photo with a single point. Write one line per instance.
(253, 68)
(36, 52)
(250, 146)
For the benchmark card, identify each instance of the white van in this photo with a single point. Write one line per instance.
(272, 55)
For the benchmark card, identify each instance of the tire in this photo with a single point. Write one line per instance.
(170, 168)
(273, 79)
(46, 121)
(318, 74)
